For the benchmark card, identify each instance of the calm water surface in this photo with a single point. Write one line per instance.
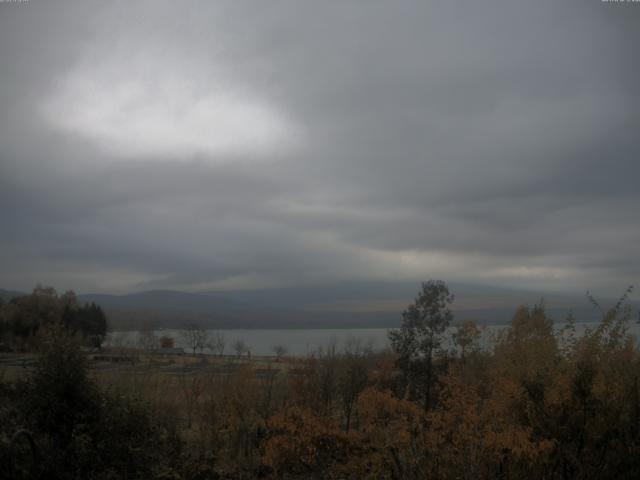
(307, 341)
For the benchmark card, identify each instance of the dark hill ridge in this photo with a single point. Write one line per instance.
(173, 309)
(7, 295)
(346, 305)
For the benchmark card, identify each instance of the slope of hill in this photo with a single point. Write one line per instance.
(347, 305)
(7, 295)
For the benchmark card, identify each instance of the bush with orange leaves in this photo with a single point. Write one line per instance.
(472, 437)
(303, 444)
(390, 441)
(388, 445)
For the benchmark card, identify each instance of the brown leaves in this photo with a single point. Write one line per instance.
(302, 442)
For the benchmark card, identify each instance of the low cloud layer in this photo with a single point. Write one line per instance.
(225, 145)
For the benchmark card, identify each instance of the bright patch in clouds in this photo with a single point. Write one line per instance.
(167, 110)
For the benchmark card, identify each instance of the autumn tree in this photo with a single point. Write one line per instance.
(352, 378)
(30, 312)
(592, 410)
(303, 444)
(326, 374)
(466, 337)
(389, 443)
(481, 435)
(420, 337)
(25, 315)
(528, 348)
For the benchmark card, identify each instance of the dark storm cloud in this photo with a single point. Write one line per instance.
(227, 144)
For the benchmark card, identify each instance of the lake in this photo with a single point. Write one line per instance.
(303, 342)
(299, 342)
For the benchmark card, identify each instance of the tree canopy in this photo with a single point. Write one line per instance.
(24, 316)
(420, 336)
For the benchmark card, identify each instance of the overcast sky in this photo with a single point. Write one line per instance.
(221, 145)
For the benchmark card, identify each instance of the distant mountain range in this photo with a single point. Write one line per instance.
(7, 295)
(348, 305)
